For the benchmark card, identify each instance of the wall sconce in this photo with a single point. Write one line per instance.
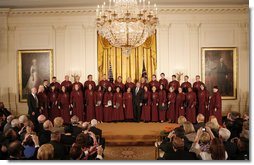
(178, 76)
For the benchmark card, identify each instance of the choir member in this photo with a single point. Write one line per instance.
(89, 81)
(46, 87)
(171, 105)
(155, 103)
(108, 103)
(89, 102)
(143, 82)
(67, 84)
(163, 81)
(118, 114)
(162, 107)
(98, 97)
(138, 95)
(215, 105)
(196, 85)
(146, 108)
(63, 102)
(174, 83)
(154, 82)
(191, 103)
(186, 84)
(180, 101)
(129, 84)
(56, 84)
(53, 109)
(203, 101)
(77, 81)
(127, 105)
(77, 102)
(43, 101)
(104, 83)
(119, 83)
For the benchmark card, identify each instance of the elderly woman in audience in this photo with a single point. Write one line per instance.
(190, 133)
(44, 136)
(15, 125)
(46, 152)
(8, 124)
(58, 124)
(231, 148)
(181, 120)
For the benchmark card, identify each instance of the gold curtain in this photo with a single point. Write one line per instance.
(127, 66)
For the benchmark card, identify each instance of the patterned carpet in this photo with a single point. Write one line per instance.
(129, 153)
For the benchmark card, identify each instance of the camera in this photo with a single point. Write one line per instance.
(203, 129)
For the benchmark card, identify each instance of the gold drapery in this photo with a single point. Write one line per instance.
(127, 66)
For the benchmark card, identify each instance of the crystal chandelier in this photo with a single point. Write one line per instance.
(126, 24)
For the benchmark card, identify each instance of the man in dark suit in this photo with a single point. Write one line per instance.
(59, 149)
(138, 95)
(200, 122)
(97, 132)
(32, 102)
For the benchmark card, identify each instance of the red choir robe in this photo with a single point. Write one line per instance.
(43, 103)
(129, 84)
(203, 101)
(185, 86)
(215, 107)
(191, 109)
(180, 110)
(128, 106)
(57, 86)
(89, 102)
(164, 82)
(86, 84)
(171, 106)
(104, 84)
(118, 114)
(142, 84)
(53, 110)
(108, 106)
(162, 101)
(80, 85)
(146, 108)
(196, 86)
(63, 102)
(77, 101)
(154, 83)
(98, 97)
(175, 84)
(121, 85)
(68, 86)
(155, 103)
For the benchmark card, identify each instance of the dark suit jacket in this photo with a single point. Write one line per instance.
(199, 125)
(96, 131)
(76, 130)
(44, 137)
(32, 105)
(59, 150)
(138, 98)
(180, 155)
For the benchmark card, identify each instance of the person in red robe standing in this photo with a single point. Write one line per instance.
(155, 103)
(67, 83)
(203, 101)
(174, 83)
(129, 84)
(180, 101)
(143, 82)
(196, 85)
(98, 97)
(118, 114)
(163, 81)
(162, 107)
(77, 102)
(215, 105)
(89, 102)
(63, 102)
(43, 101)
(108, 105)
(77, 81)
(171, 105)
(128, 105)
(56, 84)
(154, 82)
(191, 103)
(146, 108)
(119, 83)
(89, 81)
(53, 109)
(186, 84)
(104, 83)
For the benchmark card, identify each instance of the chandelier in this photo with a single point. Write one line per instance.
(126, 24)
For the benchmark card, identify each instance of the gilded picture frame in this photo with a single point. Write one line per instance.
(219, 68)
(34, 66)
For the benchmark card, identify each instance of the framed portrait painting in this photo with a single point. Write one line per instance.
(34, 66)
(219, 68)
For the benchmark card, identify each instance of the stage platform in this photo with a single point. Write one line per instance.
(131, 133)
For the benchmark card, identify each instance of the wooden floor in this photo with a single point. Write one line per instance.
(130, 133)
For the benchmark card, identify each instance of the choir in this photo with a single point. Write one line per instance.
(155, 101)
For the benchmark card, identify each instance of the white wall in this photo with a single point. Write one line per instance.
(71, 33)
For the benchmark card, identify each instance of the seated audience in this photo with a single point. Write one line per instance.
(15, 150)
(44, 136)
(58, 124)
(8, 124)
(200, 121)
(75, 125)
(59, 149)
(46, 152)
(231, 148)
